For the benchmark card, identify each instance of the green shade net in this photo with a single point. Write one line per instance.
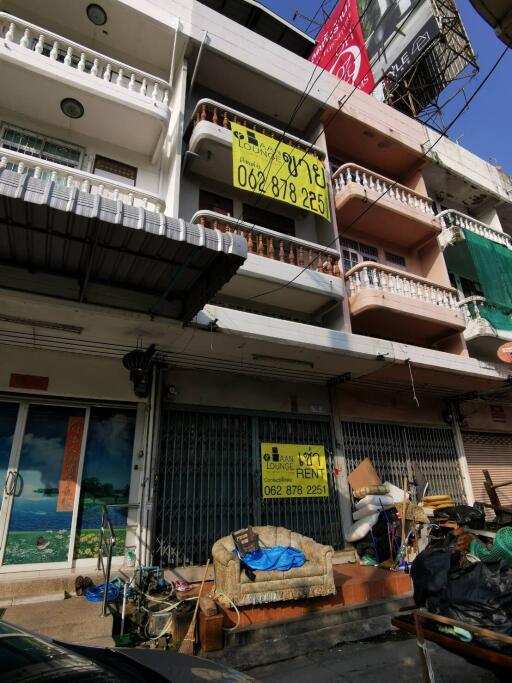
(493, 265)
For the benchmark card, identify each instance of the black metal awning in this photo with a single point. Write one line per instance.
(60, 241)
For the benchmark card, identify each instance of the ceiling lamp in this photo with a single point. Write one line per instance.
(139, 363)
(72, 108)
(96, 14)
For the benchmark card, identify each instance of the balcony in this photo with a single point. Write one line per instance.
(122, 105)
(390, 303)
(383, 209)
(23, 164)
(275, 262)
(211, 139)
(482, 336)
(454, 223)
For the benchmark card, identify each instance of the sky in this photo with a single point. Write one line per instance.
(485, 127)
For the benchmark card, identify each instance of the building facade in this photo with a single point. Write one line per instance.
(373, 333)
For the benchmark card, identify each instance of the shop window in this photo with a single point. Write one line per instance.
(269, 220)
(209, 201)
(114, 170)
(40, 146)
(105, 478)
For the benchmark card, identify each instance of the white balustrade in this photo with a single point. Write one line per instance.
(451, 219)
(75, 56)
(352, 173)
(70, 177)
(369, 275)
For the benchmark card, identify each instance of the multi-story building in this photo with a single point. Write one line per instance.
(121, 228)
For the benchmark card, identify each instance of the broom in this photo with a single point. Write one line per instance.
(187, 644)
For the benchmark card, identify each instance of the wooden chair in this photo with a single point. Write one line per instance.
(503, 512)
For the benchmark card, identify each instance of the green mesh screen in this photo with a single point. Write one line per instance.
(493, 265)
(497, 317)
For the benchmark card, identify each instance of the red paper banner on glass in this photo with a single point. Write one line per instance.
(69, 472)
(340, 47)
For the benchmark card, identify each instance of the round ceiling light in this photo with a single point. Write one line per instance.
(72, 108)
(96, 14)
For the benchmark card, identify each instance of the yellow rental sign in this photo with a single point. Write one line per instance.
(264, 166)
(293, 471)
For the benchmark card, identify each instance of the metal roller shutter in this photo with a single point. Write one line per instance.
(493, 452)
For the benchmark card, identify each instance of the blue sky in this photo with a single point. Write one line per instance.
(485, 127)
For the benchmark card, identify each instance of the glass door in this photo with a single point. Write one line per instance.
(42, 487)
(8, 420)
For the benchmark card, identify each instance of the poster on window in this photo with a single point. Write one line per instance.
(293, 471)
(266, 166)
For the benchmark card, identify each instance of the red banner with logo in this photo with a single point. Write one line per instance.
(340, 47)
(69, 472)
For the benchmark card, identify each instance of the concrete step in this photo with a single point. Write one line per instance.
(264, 643)
(13, 589)
(73, 620)
(346, 556)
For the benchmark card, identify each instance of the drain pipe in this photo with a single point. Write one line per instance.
(196, 66)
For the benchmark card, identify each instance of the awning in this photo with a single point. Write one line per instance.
(60, 241)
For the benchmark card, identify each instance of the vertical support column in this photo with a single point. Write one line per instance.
(463, 463)
(340, 463)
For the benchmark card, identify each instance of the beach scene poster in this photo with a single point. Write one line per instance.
(8, 417)
(105, 477)
(38, 532)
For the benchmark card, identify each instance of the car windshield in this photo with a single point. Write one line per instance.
(24, 658)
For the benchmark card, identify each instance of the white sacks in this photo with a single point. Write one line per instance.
(370, 510)
(361, 528)
(374, 500)
(396, 493)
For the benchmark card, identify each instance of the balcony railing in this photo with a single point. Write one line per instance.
(477, 325)
(274, 245)
(369, 275)
(82, 59)
(451, 219)
(221, 115)
(70, 177)
(352, 173)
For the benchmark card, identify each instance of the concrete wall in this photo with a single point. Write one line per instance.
(478, 416)
(244, 392)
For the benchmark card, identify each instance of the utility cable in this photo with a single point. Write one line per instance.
(394, 183)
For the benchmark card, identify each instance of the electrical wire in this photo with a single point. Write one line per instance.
(394, 183)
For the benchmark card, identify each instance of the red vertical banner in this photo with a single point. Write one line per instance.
(340, 47)
(69, 471)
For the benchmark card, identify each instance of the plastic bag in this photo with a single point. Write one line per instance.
(430, 572)
(462, 514)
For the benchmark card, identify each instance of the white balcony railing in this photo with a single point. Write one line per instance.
(451, 219)
(70, 177)
(352, 173)
(274, 245)
(477, 325)
(75, 56)
(221, 115)
(369, 275)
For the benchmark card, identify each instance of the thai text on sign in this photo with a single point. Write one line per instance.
(272, 168)
(70, 464)
(293, 471)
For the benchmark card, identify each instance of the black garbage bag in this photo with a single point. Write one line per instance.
(462, 514)
(430, 571)
(376, 543)
(479, 594)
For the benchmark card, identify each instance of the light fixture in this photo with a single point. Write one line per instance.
(72, 108)
(139, 363)
(96, 14)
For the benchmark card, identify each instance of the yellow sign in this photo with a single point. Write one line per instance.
(265, 166)
(293, 471)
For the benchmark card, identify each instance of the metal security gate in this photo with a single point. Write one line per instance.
(209, 481)
(395, 449)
